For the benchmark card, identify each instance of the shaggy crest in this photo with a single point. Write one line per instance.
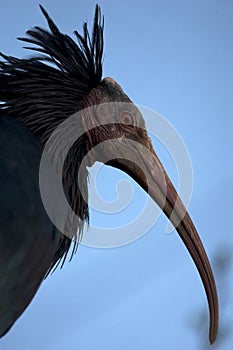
(41, 94)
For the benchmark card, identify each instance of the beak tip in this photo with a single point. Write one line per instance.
(213, 335)
(212, 340)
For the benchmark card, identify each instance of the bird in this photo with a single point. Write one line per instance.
(39, 96)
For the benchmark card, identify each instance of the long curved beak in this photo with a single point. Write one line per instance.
(154, 180)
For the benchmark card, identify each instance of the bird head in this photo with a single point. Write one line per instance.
(113, 130)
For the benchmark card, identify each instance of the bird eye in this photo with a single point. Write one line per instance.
(127, 120)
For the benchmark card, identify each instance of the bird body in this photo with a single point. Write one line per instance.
(22, 266)
(39, 95)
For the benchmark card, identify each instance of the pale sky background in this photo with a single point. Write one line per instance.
(175, 57)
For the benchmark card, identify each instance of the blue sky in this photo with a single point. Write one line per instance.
(176, 58)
